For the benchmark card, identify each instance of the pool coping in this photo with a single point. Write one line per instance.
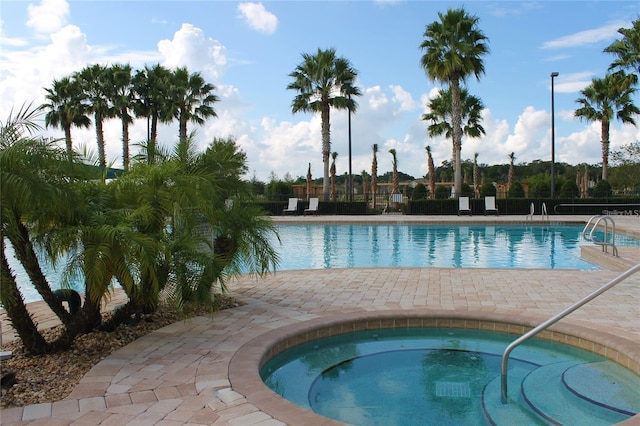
(247, 361)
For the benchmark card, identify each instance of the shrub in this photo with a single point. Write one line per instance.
(516, 190)
(488, 190)
(602, 189)
(419, 192)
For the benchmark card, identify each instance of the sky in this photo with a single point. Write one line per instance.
(248, 49)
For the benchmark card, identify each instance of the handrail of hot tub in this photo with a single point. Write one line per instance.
(557, 317)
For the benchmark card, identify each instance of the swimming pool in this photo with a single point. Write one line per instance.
(450, 376)
(326, 246)
(318, 246)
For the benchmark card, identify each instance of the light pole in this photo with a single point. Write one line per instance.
(350, 175)
(553, 139)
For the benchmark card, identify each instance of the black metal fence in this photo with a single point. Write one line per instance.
(629, 206)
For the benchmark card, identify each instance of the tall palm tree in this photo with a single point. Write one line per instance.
(606, 99)
(151, 87)
(191, 98)
(395, 184)
(440, 116)
(324, 81)
(374, 174)
(476, 176)
(627, 48)
(454, 47)
(512, 157)
(97, 91)
(120, 77)
(365, 187)
(431, 172)
(332, 171)
(65, 108)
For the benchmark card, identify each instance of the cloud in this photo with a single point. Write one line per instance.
(49, 16)
(607, 32)
(192, 49)
(258, 18)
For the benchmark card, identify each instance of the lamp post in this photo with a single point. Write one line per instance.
(350, 175)
(553, 139)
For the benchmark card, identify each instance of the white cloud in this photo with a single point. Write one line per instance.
(596, 35)
(258, 18)
(49, 16)
(191, 48)
(404, 98)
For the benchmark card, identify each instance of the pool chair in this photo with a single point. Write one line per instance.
(313, 206)
(463, 206)
(490, 205)
(292, 207)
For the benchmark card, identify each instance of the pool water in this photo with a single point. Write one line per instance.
(314, 246)
(418, 376)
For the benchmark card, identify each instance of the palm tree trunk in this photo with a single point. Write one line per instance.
(125, 143)
(67, 138)
(456, 121)
(33, 342)
(100, 139)
(605, 148)
(18, 236)
(326, 149)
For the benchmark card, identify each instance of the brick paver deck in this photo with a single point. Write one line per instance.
(191, 372)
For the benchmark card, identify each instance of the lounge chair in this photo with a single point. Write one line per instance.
(463, 206)
(292, 207)
(490, 205)
(313, 206)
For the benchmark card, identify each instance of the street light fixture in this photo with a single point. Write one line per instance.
(553, 139)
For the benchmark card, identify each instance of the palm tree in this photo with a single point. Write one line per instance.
(454, 47)
(97, 92)
(365, 187)
(627, 49)
(65, 108)
(122, 99)
(374, 174)
(431, 172)
(512, 157)
(151, 88)
(324, 81)
(440, 115)
(191, 98)
(604, 100)
(395, 188)
(476, 176)
(334, 155)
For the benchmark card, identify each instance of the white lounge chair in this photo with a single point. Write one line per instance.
(490, 205)
(313, 206)
(463, 206)
(292, 207)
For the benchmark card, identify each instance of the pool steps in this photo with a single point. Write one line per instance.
(563, 393)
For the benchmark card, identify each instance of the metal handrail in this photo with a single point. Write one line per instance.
(605, 241)
(553, 320)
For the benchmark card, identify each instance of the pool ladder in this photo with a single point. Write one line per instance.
(548, 323)
(609, 234)
(543, 212)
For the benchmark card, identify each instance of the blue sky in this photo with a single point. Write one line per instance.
(247, 49)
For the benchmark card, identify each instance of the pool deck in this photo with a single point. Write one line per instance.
(189, 373)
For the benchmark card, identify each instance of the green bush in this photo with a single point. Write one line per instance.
(516, 190)
(569, 189)
(602, 189)
(442, 192)
(419, 192)
(488, 190)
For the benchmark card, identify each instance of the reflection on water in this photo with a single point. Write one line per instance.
(423, 245)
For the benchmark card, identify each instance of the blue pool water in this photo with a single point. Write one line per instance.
(316, 246)
(418, 376)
